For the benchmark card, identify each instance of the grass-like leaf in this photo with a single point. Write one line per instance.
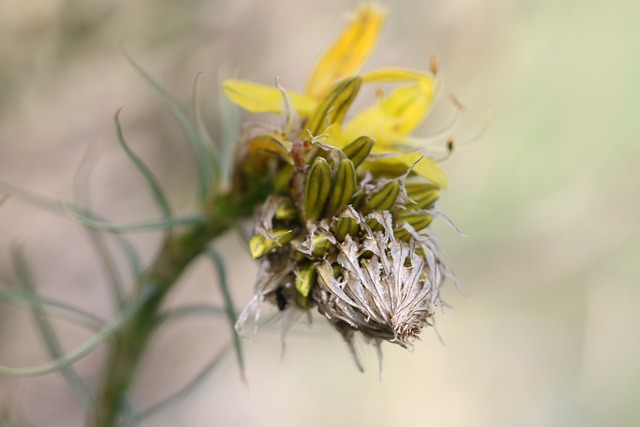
(145, 172)
(229, 114)
(203, 165)
(188, 388)
(212, 149)
(82, 197)
(42, 202)
(191, 310)
(77, 384)
(57, 308)
(218, 263)
(100, 337)
(129, 414)
(53, 206)
(98, 224)
(10, 415)
(4, 198)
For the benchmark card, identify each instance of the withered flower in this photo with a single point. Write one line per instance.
(348, 200)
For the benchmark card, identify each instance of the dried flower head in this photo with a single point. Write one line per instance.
(348, 198)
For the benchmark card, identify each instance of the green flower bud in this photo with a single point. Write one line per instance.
(347, 222)
(358, 150)
(423, 194)
(317, 188)
(260, 245)
(385, 197)
(343, 187)
(285, 210)
(418, 220)
(316, 244)
(334, 106)
(305, 279)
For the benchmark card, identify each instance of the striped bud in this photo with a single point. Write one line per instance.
(358, 150)
(271, 143)
(282, 179)
(347, 222)
(416, 219)
(285, 210)
(317, 188)
(305, 279)
(315, 245)
(358, 199)
(424, 195)
(322, 243)
(385, 197)
(347, 226)
(334, 106)
(260, 245)
(374, 224)
(343, 187)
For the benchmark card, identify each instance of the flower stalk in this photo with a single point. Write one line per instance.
(178, 251)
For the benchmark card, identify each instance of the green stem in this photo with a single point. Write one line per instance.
(177, 252)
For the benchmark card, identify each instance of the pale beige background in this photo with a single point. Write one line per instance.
(548, 198)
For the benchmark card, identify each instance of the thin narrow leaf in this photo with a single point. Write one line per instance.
(202, 159)
(103, 335)
(43, 202)
(209, 144)
(47, 332)
(81, 180)
(97, 224)
(228, 304)
(145, 172)
(188, 388)
(191, 310)
(62, 310)
(4, 198)
(54, 206)
(129, 413)
(229, 115)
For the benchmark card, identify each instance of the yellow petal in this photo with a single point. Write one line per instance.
(426, 168)
(394, 116)
(346, 56)
(259, 98)
(394, 75)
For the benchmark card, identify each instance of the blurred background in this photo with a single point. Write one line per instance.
(548, 197)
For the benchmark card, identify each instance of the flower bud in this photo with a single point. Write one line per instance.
(358, 150)
(317, 188)
(343, 187)
(385, 197)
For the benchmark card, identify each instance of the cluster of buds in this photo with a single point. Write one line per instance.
(344, 226)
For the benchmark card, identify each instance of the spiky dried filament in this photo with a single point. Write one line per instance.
(385, 295)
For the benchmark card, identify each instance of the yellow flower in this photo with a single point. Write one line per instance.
(389, 122)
